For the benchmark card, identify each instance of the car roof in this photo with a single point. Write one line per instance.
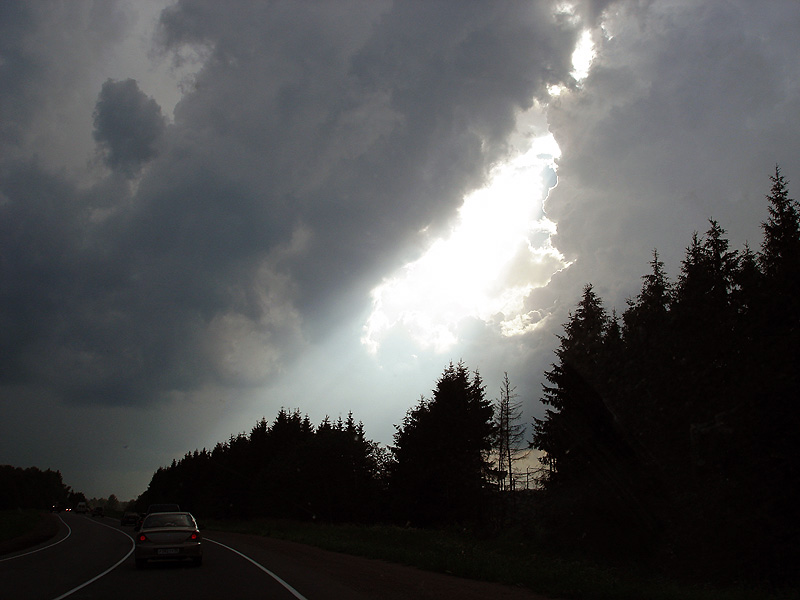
(170, 512)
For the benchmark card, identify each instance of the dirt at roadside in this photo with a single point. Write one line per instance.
(46, 528)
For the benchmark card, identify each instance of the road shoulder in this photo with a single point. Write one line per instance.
(46, 528)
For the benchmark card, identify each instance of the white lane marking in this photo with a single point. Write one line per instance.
(107, 571)
(69, 532)
(289, 588)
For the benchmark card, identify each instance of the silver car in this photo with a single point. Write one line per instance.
(168, 536)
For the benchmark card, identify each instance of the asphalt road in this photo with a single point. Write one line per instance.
(92, 558)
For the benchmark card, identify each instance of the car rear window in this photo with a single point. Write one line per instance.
(168, 520)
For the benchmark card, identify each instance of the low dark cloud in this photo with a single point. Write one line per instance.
(127, 125)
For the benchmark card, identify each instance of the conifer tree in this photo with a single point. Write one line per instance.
(576, 430)
(780, 251)
(441, 452)
(647, 315)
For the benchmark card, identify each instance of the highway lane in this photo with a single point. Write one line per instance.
(80, 551)
(91, 558)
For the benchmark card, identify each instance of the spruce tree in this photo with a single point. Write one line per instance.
(573, 433)
(441, 452)
(780, 251)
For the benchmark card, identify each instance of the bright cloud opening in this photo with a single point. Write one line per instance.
(582, 59)
(583, 56)
(498, 252)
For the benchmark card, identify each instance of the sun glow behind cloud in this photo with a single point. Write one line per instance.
(582, 59)
(498, 252)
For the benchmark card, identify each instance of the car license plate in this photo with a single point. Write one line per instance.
(168, 551)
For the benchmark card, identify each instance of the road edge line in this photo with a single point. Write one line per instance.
(107, 571)
(69, 533)
(288, 587)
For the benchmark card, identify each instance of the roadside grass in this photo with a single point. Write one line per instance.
(15, 523)
(508, 559)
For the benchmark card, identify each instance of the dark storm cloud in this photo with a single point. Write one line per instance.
(48, 55)
(17, 68)
(128, 126)
(314, 141)
(364, 129)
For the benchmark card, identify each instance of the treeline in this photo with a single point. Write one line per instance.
(673, 433)
(287, 469)
(33, 488)
(437, 471)
(670, 433)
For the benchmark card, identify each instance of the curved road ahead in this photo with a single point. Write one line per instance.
(92, 558)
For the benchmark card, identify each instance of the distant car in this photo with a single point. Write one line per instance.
(168, 536)
(129, 518)
(81, 507)
(55, 508)
(98, 511)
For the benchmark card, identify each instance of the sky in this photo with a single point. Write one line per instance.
(209, 211)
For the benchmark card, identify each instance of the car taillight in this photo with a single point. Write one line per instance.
(142, 537)
(194, 537)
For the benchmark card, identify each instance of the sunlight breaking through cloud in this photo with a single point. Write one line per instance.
(499, 251)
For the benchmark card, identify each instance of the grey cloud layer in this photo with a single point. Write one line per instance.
(174, 268)
(315, 141)
(687, 110)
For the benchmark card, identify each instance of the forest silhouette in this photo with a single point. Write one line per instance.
(670, 435)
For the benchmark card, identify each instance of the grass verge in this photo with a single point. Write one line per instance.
(509, 560)
(16, 523)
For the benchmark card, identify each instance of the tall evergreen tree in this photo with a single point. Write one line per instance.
(441, 452)
(780, 251)
(647, 315)
(778, 371)
(590, 474)
(576, 430)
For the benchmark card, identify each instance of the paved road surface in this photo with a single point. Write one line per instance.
(92, 558)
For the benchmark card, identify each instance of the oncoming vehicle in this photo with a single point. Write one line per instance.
(168, 536)
(81, 507)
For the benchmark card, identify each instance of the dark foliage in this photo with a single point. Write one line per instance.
(670, 437)
(441, 470)
(34, 488)
(288, 469)
(676, 439)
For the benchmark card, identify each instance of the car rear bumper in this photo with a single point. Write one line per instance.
(168, 552)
